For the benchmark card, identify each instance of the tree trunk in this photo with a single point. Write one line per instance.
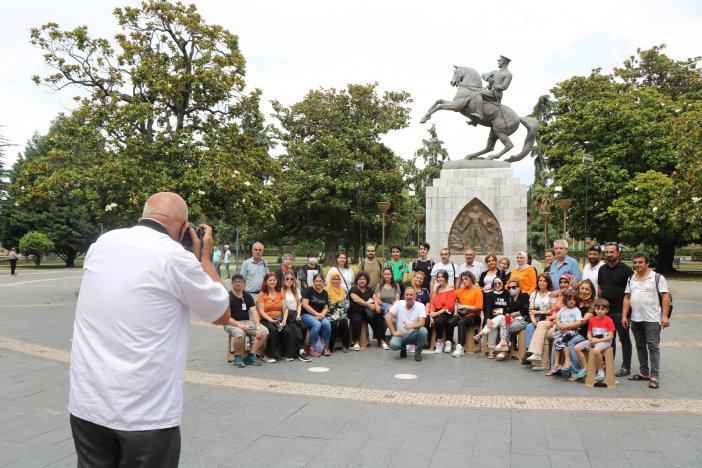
(666, 255)
(331, 246)
(70, 260)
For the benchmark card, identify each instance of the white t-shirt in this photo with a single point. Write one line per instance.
(346, 274)
(404, 316)
(227, 254)
(291, 301)
(476, 268)
(592, 273)
(130, 335)
(450, 268)
(644, 298)
(542, 303)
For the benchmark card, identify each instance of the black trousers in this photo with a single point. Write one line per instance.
(340, 329)
(99, 446)
(624, 339)
(463, 324)
(13, 266)
(441, 326)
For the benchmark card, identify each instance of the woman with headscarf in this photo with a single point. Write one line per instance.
(338, 306)
(494, 309)
(524, 273)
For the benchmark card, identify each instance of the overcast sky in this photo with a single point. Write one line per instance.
(292, 47)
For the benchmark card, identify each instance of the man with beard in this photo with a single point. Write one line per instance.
(594, 262)
(372, 266)
(612, 280)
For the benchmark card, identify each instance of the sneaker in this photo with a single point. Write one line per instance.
(238, 362)
(447, 347)
(418, 356)
(539, 368)
(582, 374)
(459, 351)
(304, 357)
(289, 359)
(312, 351)
(534, 357)
(411, 348)
(269, 360)
(403, 353)
(252, 360)
(501, 356)
(385, 346)
(356, 347)
(345, 350)
(600, 376)
(327, 351)
(439, 348)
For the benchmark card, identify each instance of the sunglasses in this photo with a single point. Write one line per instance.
(514, 287)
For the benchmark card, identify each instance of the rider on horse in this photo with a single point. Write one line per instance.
(498, 81)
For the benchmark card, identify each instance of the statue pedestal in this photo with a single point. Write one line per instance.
(478, 204)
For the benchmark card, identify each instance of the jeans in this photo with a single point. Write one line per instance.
(418, 337)
(226, 267)
(530, 328)
(624, 339)
(574, 361)
(217, 265)
(648, 337)
(315, 325)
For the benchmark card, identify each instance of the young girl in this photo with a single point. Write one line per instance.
(600, 334)
(441, 309)
(565, 330)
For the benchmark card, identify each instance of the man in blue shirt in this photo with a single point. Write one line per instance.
(563, 263)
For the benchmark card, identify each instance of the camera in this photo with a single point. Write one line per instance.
(187, 241)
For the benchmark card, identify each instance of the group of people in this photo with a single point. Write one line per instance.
(574, 311)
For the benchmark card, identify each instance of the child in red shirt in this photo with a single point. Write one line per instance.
(600, 333)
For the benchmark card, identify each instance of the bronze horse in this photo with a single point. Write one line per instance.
(502, 120)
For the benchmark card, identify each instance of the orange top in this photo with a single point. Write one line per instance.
(272, 305)
(527, 279)
(443, 300)
(471, 297)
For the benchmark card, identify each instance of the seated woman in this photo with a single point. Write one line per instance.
(470, 304)
(314, 313)
(586, 294)
(423, 296)
(524, 273)
(441, 309)
(544, 329)
(495, 306)
(515, 317)
(388, 290)
(540, 303)
(365, 305)
(492, 272)
(338, 307)
(341, 266)
(273, 314)
(298, 327)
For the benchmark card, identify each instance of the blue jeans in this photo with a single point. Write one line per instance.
(574, 362)
(418, 337)
(315, 325)
(226, 267)
(530, 328)
(217, 265)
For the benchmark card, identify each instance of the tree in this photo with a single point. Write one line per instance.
(168, 98)
(325, 136)
(36, 244)
(627, 121)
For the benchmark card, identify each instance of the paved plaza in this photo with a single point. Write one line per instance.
(456, 412)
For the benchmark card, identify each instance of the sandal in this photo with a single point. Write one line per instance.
(573, 378)
(653, 383)
(555, 370)
(639, 377)
(491, 355)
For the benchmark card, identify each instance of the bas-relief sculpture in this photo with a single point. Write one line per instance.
(476, 227)
(483, 106)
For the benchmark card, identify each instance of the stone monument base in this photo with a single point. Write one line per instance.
(477, 204)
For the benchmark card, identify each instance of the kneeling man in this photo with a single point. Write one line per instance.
(410, 316)
(244, 322)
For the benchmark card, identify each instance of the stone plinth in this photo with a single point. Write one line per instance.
(494, 190)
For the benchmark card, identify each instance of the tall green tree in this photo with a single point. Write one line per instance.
(326, 137)
(626, 121)
(169, 98)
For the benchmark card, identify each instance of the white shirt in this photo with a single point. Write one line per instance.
(130, 335)
(404, 316)
(644, 299)
(227, 254)
(476, 268)
(592, 272)
(449, 268)
(346, 274)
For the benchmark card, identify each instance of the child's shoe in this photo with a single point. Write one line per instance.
(582, 374)
(600, 376)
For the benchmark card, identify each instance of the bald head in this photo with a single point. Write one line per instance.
(169, 209)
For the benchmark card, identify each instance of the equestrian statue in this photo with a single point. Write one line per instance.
(483, 106)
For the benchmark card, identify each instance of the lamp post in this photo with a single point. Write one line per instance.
(588, 161)
(359, 169)
(383, 206)
(545, 216)
(419, 217)
(565, 203)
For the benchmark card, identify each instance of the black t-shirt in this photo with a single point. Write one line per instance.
(583, 330)
(494, 301)
(613, 283)
(317, 299)
(425, 266)
(240, 307)
(365, 295)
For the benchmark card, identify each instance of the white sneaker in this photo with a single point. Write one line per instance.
(459, 351)
(268, 360)
(411, 348)
(447, 347)
(534, 357)
(439, 348)
(356, 347)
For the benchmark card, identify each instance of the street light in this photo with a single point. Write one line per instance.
(359, 169)
(588, 160)
(545, 216)
(564, 203)
(383, 206)
(419, 217)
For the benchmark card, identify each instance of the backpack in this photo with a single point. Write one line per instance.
(660, 298)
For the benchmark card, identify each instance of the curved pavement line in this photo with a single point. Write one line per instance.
(371, 395)
(23, 283)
